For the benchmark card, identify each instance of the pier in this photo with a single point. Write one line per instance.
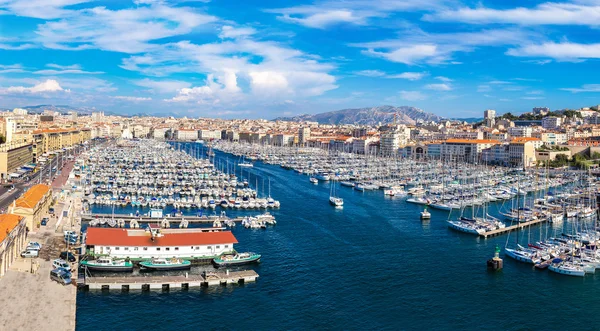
(174, 219)
(512, 227)
(166, 283)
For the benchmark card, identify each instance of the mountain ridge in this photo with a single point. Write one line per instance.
(367, 116)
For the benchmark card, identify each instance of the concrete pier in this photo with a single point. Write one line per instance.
(167, 283)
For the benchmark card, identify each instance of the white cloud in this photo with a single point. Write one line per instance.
(49, 85)
(544, 14)
(443, 79)
(409, 75)
(585, 88)
(415, 46)
(129, 30)
(439, 87)
(11, 68)
(412, 95)
(404, 75)
(162, 86)
(324, 19)
(68, 69)
(130, 98)
(228, 31)
(214, 90)
(371, 73)
(564, 51)
(328, 13)
(406, 55)
(273, 72)
(44, 9)
(533, 98)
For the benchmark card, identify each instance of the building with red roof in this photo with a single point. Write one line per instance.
(193, 243)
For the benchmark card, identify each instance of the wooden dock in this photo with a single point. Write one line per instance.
(512, 227)
(167, 283)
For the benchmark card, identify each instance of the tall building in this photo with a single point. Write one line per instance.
(303, 135)
(551, 122)
(489, 116)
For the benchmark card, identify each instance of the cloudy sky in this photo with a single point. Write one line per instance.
(270, 58)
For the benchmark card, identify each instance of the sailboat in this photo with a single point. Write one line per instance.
(333, 200)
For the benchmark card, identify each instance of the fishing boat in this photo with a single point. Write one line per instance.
(165, 264)
(425, 215)
(107, 263)
(236, 259)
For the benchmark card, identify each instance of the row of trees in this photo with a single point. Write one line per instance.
(579, 161)
(532, 117)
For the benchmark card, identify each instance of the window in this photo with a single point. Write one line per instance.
(145, 248)
(226, 246)
(126, 248)
(117, 248)
(135, 248)
(167, 249)
(158, 248)
(218, 247)
(197, 247)
(176, 248)
(209, 247)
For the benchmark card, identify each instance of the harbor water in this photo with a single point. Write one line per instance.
(371, 265)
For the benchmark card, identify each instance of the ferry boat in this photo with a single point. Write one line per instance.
(165, 264)
(237, 259)
(107, 263)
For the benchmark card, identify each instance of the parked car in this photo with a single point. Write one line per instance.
(60, 263)
(68, 256)
(61, 276)
(34, 245)
(30, 253)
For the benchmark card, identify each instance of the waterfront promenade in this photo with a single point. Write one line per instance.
(37, 302)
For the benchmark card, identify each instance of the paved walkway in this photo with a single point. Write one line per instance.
(34, 302)
(31, 300)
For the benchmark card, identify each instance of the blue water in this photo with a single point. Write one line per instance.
(371, 265)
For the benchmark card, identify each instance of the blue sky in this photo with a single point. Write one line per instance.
(263, 59)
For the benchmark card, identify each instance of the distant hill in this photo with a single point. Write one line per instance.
(63, 109)
(367, 116)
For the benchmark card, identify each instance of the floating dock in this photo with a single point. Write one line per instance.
(167, 283)
(171, 219)
(512, 227)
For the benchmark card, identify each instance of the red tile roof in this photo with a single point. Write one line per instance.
(7, 223)
(128, 237)
(31, 198)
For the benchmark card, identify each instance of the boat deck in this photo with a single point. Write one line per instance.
(166, 283)
(510, 228)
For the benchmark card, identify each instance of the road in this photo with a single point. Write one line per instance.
(43, 175)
